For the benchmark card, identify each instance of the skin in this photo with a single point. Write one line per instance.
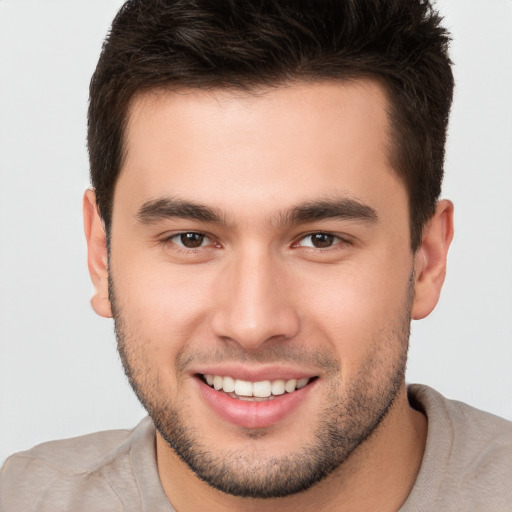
(256, 295)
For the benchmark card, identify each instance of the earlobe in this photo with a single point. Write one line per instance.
(97, 257)
(430, 260)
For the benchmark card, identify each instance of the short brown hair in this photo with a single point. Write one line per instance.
(246, 44)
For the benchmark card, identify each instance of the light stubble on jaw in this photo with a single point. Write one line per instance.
(352, 412)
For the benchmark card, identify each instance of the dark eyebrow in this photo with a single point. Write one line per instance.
(344, 208)
(167, 208)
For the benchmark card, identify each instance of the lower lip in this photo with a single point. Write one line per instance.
(253, 414)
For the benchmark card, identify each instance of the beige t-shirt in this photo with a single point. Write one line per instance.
(467, 466)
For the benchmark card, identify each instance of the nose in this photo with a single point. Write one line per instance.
(254, 303)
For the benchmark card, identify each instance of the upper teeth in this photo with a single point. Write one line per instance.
(261, 389)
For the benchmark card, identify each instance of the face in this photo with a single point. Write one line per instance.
(261, 277)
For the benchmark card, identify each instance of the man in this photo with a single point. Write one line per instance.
(264, 224)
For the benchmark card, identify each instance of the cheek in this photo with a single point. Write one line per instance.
(164, 304)
(359, 307)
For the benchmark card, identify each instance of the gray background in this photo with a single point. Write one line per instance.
(59, 371)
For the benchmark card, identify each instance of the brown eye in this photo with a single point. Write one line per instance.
(190, 240)
(322, 240)
(319, 241)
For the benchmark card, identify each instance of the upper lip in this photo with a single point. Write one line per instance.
(254, 374)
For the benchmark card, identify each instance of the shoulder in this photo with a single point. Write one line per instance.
(476, 430)
(468, 455)
(54, 473)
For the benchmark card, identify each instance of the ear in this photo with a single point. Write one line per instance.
(96, 255)
(430, 260)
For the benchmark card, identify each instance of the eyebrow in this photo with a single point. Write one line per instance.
(336, 208)
(168, 208)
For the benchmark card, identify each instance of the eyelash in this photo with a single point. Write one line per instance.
(336, 240)
(183, 248)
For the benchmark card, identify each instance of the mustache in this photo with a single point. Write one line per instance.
(273, 354)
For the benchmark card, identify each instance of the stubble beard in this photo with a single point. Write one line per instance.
(348, 418)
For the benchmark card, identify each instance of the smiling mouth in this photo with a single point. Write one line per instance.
(255, 391)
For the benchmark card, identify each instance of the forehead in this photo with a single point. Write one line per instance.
(237, 149)
(331, 110)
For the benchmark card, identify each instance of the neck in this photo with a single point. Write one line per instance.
(378, 475)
